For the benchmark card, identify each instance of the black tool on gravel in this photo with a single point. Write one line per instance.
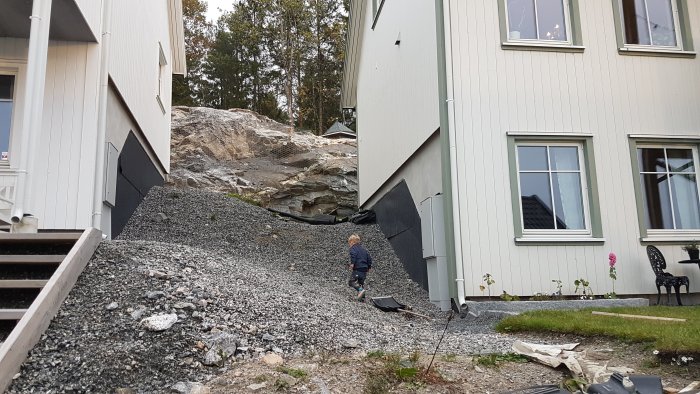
(389, 304)
(548, 389)
(643, 384)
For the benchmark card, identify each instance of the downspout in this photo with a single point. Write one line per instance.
(450, 179)
(98, 192)
(34, 108)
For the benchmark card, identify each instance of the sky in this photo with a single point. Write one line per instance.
(213, 7)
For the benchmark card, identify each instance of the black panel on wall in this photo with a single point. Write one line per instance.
(399, 220)
(136, 174)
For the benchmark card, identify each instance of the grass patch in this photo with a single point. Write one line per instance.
(245, 198)
(293, 372)
(450, 357)
(394, 370)
(495, 359)
(261, 378)
(666, 337)
(375, 354)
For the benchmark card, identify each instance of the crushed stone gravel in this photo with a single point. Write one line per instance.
(258, 284)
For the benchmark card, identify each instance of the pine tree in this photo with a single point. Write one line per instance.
(188, 90)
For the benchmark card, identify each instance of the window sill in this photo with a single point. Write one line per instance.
(656, 52)
(558, 240)
(160, 103)
(670, 239)
(537, 46)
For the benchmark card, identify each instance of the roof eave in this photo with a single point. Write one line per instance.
(353, 46)
(177, 37)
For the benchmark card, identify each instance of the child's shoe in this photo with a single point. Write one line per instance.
(361, 295)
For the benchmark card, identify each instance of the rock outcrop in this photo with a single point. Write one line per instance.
(239, 151)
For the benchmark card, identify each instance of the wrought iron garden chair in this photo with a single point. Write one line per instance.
(658, 264)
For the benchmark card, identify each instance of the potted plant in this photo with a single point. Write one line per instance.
(693, 252)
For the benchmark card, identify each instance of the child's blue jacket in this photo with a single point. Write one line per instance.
(360, 258)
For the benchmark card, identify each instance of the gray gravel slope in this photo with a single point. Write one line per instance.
(226, 268)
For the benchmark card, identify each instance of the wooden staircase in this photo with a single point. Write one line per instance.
(27, 262)
(37, 271)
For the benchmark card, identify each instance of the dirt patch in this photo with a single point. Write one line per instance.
(363, 372)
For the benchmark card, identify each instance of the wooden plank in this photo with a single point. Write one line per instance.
(22, 284)
(637, 316)
(26, 334)
(44, 238)
(12, 314)
(32, 259)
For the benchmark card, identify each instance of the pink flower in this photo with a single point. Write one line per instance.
(613, 259)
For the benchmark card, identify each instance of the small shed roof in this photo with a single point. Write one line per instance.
(339, 130)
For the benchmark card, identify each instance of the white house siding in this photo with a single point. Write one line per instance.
(422, 174)
(599, 92)
(397, 93)
(137, 28)
(92, 12)
(64, 162)
(62, 177)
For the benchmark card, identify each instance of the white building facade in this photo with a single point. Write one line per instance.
(85, 91)
(557, 131)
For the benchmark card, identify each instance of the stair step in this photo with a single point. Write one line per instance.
(22, 283)
(42, 238)
(12, 314)
(30, 259)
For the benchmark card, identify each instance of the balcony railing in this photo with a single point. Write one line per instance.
(8, 182)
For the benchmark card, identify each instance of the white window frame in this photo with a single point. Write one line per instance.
(651, 232)
(14, 73)
(676, 28)
(584, 190)
(567, 21)
(162, 62)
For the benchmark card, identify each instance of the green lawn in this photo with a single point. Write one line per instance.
(665, 336)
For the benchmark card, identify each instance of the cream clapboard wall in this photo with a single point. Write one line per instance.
(397, 102)
(62, 180)
(92, 12)
(598, 92)
(137, 28)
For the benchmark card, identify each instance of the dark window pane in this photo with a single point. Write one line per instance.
(521, 20)
(661, 24)
(5, 123)
(6, 86)
(680, 160)
(550, 20)
(536, 199)
(532, 158)
(651, 160)
(564, 158)
(685, 201)
(656, 201)
(568, 200)
(635, 19)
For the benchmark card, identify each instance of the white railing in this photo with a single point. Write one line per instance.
(8, 181)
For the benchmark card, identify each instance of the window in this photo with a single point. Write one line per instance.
(377, 6)
(653, 27)
(552, 188)
(669, 187)
(7, 83)
(538, 20)
(162, 62)
(650, 22)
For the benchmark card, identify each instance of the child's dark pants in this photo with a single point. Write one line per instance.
(357, 280)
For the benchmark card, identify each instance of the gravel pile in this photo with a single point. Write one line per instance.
(199, 279)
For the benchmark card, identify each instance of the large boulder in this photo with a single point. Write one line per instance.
(239, 151)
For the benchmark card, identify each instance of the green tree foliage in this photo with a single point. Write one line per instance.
(189, 90)
(280, 58)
